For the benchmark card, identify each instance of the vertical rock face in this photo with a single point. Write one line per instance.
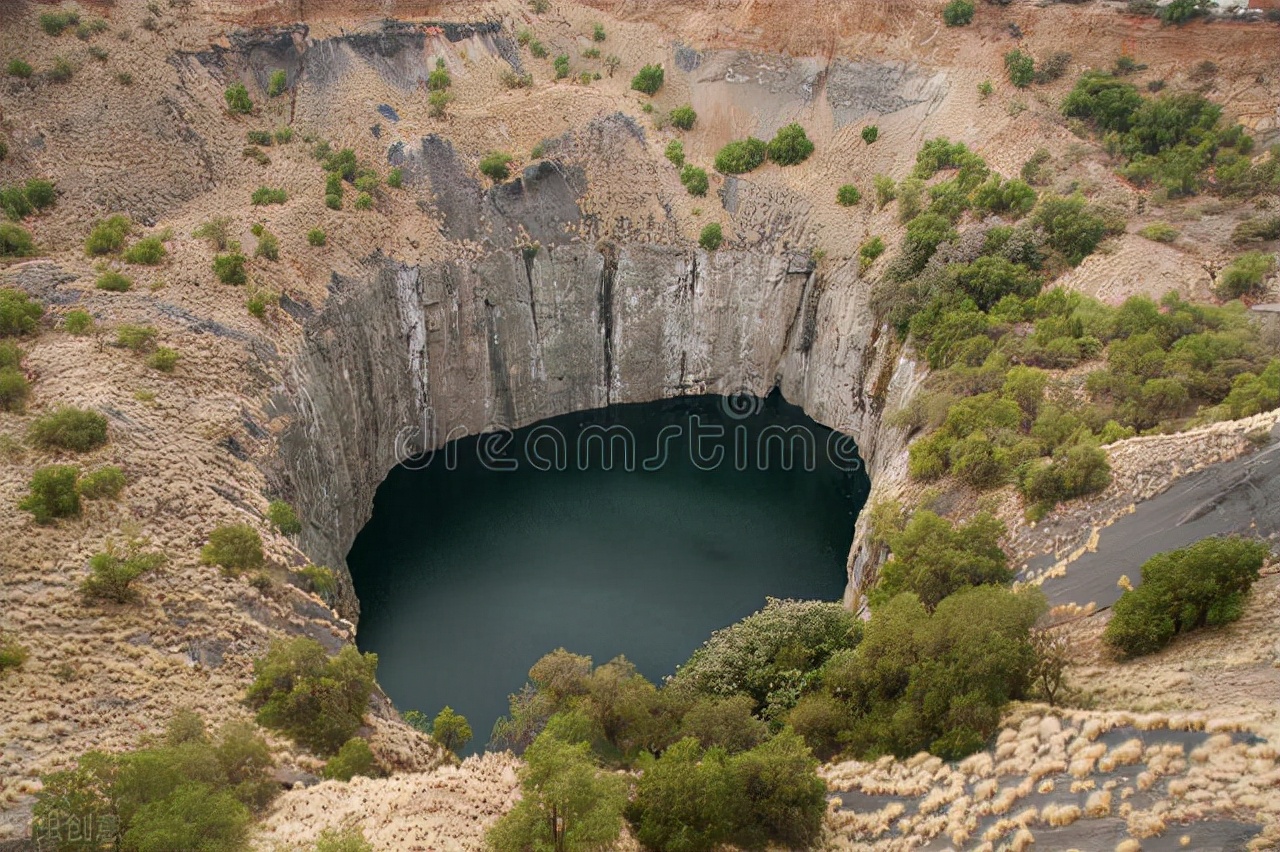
(411, 357)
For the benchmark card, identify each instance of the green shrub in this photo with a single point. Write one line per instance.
(268, 245)
(234, 547)
(14, 389)
(283, 517)
(1258, 230)
(1245, 275)
(11, 355)
(683, 117)
(316, 237)
(333, 201)
(741, 156)
(958, 13)
(1020, 67)
(1012, 197)
(147, 251)
(1203, 584)
(53, 493)
(438, 103)
(77, 321)
(350, 839)
(54, 23)
(12, 655)
(112, 572)
(869, 251)
(985, 89)
(276, 86)
(451, 730)
(104, 483)
(238, 101)
(538, 49)
(675, 152)
(648, 79)
(18, 68)
(283, 135)
(561, 66)
(15, 241)
(848, 195)
(67, 428)
(354, 758)
(1160, 232)
(108, 235)
(163, 359)
(791, 145)
(267, 195)
(217, 231)
(114, 282)
(1181, 11)
(694, 180)
(496, 166)
(322, 581)
(934, 558)
(62, 70)
(259, 137)
(870, 133)
(316, 699)
(229, 267)
(1053, 68)
(711, 236)
(136, 338)
(364, 201)
(886, 191)
(597, 32)
(1069, 227)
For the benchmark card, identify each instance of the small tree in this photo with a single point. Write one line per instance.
(229, 267)
(648, 79)
(354, 758)
(53, 493)
(1020, 67)
(1052, 657)
(112, 572)
(451, 730)
(711, 237)
(235, 547)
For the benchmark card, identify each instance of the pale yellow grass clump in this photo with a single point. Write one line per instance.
(1060, 815)
(1098, 804)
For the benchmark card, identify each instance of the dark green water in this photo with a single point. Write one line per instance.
(466, 576)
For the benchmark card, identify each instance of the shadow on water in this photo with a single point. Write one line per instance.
(467, 573)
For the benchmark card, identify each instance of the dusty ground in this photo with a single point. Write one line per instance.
(194, 444)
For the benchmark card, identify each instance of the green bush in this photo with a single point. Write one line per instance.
(316, 699)
(18, 68)
(1203, 584)
(77, 321)
(68, 428)
(694, 180)
(283, 135)
(561, 66)
(112, 572)
(1258, 230)
(268, 245)
(870, 133)
(217, 231)
(54, 23)
(934, 558)
(164, 359)
(870, 250)
(958, 13)
(229, 267)
(742, 156)
(1253, 394)
(354, 758)
(105, 483)
(136, 338)
(350, 839)
(1160, 232)
(108, 235)
(267, 195)
(1069, 226)
(848, 195)
(53, 493)
(114, 282)
(276, 86)
(15, 241)
(496, 166)
(1181, 11)
(886, 191)
(451, 730)
(711, 236)
(597, 32)
(791, 145)
(238, 101)
(648, 79)
(985, 89)
(364, 201)
(395, 178)
(234, 547)
(316, 237)
(683, 117)
(1012, 197)
(62, 70)
(322, 581)
(283, 517)
(1020, 67)
(1245, 276)
(147, 251)
(12, 655)
(14, 390)
(675, 152)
